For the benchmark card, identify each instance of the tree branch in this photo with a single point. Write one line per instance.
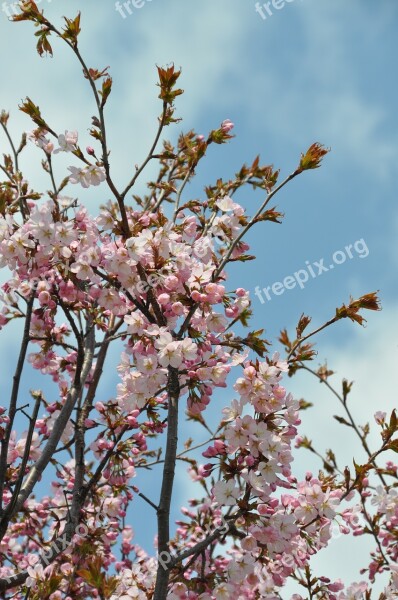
(60, 424)
(163, 512)
(14, 396)
(150, 154)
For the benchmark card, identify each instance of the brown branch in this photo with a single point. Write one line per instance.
(103, 140)
(101, 466)
(359, 476)
(150, 154)
(14, 396)
(25, 457)
(22, 201)
(74, 512)
(82, 372)
(374, 532)
(141, 495)
(343, 402)
(197, 549)
(163, 513)
(57, 547)
(312, 333)
(82, 415)
(118, 286)
(252, 221)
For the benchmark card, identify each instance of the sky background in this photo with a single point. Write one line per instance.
(315, 70)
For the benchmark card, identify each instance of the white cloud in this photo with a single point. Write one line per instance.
(314, 86)
(189, 36)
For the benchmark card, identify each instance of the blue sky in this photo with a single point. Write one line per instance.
(311, 71)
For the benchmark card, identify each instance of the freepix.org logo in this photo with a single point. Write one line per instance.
(313, 270)
(127, 8)
(266, 9)
(11, 9)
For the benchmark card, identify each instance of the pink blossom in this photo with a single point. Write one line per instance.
(67, 141)
(225, 492)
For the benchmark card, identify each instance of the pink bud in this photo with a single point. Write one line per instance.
(344, 530)
(195, 295)
(279, 392)
(177, 308)
(250, 461)
(163, 299)
(171, 282)
(227, 125)
(337, 586)
(90, 150)
(219, 445)
(209, 453)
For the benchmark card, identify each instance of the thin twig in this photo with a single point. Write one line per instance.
(25, 457)
(351, 419)
(251, 223)
(312, 333)
(150, 153)
(141, 495)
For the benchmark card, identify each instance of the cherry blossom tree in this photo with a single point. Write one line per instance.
(148, 275)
